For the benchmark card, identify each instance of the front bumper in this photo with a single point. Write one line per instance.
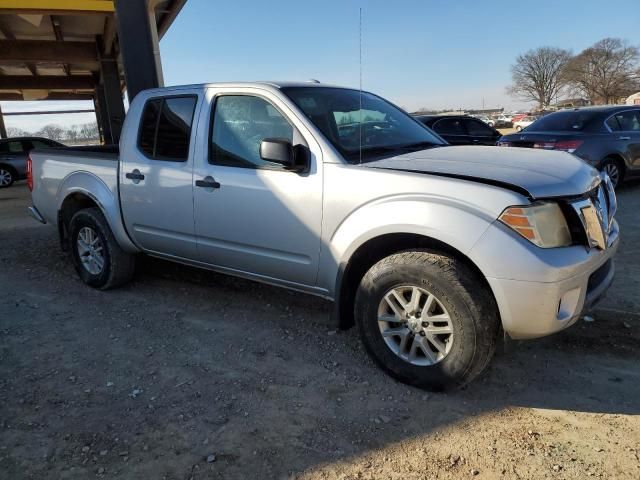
(560, 285)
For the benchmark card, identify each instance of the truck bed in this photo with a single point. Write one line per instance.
(56, 170)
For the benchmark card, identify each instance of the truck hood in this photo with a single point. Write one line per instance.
(534, 173)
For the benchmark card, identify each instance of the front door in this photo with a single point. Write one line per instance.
(156, 178)
(251, 215)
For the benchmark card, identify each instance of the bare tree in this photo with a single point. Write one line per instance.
(16, 132)
(52, 131)
(538, 75)
(606, 72)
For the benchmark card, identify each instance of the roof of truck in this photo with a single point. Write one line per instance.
(271, 84)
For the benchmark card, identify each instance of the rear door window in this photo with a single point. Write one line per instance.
(478, 129)
(450, 126)
(628, 121)
(165, 128)
(612, 123)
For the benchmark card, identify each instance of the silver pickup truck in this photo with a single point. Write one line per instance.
(434, 252)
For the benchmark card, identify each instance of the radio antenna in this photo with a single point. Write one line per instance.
(360, 123)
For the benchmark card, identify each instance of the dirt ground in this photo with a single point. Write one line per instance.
(189, 374)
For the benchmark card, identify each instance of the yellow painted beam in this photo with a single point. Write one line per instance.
(56, 6)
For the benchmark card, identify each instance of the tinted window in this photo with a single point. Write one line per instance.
(450, 126)
(148, 124)
(628, 121)
(165, 128)
(13, 146)
(240, 123)
(479, 129)
(562, 121)
(612, 123)
(174, 128)
(37, 143)
(359, 123)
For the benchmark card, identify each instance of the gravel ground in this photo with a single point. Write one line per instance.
(189, 374)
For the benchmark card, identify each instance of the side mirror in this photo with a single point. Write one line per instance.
(280, 151)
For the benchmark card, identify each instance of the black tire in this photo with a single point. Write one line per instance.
(613, 163)
(7, 176)
(471, 307)
(118, 267)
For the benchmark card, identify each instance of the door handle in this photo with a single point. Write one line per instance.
(136, 176)
(207, 182)
(624, 138)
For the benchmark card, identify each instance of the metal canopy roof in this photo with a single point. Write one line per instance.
(50, 49)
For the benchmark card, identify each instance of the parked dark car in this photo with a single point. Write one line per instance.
(461, 129)
(13, 156)
(607, 137)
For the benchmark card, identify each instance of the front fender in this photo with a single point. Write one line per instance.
(450, 221)
(89, 184)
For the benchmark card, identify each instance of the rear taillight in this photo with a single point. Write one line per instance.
(569, 145)
(30, 173)
(565, 145)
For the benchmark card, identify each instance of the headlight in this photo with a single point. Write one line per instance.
(543, 224)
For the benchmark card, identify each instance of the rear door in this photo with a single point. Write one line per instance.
(156, 177)
(452, 130)
(480, 133)
(258, 217)
(627, 135)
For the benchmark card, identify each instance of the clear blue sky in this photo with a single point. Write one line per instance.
(417, 53)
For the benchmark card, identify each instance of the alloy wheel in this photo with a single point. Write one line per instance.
(6, 177)
(415, 325)
(90, 250)
(611, 169)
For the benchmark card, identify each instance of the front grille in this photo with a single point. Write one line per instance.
(595, 212)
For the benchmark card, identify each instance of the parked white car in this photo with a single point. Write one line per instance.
(524, 123)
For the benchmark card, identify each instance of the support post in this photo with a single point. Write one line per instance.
(3, 129)
(98, 107)
(112, 111)
(137, 45)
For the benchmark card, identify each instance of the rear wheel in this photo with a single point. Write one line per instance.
(613, 167)
(7, 177)
(426, 319)
(97, 257)
(518, 128)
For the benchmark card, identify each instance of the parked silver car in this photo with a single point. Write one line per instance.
(13, 157)
(433, 251)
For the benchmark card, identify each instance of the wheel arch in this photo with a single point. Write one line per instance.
(375, 249)
(619, 157)
(84, 190)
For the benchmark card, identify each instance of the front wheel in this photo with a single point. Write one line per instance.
(426, 319)
(97, 257)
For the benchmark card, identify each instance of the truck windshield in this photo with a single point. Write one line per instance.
(366, 125)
